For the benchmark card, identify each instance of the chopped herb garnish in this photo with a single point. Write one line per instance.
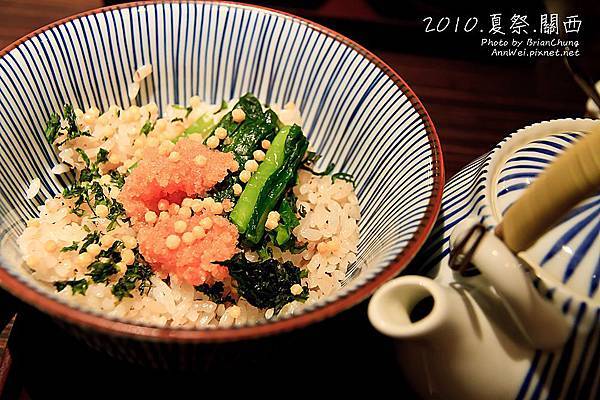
(52, 127)
(117, 178)
(345, 177)
(73, 130)
(102, 156)
(100, 271)
(137, 274)
(72, 247)
(77, 285)
(147, 128)
(84, 156)
(224, 105)
(113, 253)
(93, 237)
(88, 190)
(105, 264)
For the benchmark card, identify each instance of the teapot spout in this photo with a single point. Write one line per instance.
(409, 307)
(538, 318)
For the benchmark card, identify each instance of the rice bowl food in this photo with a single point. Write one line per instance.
(209, 215)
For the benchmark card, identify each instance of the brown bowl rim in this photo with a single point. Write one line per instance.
(126, 329)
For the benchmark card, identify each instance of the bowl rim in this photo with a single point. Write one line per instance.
(128, 329)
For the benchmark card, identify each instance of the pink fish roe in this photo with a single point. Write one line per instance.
(189, 169)
(193, 262)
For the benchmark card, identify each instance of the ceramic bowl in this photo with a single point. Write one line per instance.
(357, 111)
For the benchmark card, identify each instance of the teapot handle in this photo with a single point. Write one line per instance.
(572, 177)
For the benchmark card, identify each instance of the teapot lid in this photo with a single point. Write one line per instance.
(568, 254)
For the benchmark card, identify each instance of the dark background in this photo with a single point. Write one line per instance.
(474, 100)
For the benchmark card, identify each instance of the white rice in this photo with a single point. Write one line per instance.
(33, 189)
(329, 227)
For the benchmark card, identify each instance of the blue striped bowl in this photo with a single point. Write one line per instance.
(358, 112)
(566, 259)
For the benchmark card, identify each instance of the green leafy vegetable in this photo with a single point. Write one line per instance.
(269, 183)
(245, 138)
(250, 134)
(204, 125)
(288, 221)
(252, 109)
(84, 156)
(265, 284)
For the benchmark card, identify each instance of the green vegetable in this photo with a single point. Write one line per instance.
(265, 252)
(326, 171)
(77, 285)
(244, 208)
(251, 107)
(87, 190)
(113, 253)
(288, 221)
(269, 183)
(245, 139)
(203, 125)
(105, 264)
(265, 284)
(250, 134)
(224, 189)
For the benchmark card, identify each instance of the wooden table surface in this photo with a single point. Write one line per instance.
(473, 104)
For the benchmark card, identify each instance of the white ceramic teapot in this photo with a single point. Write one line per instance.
(520, 319)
